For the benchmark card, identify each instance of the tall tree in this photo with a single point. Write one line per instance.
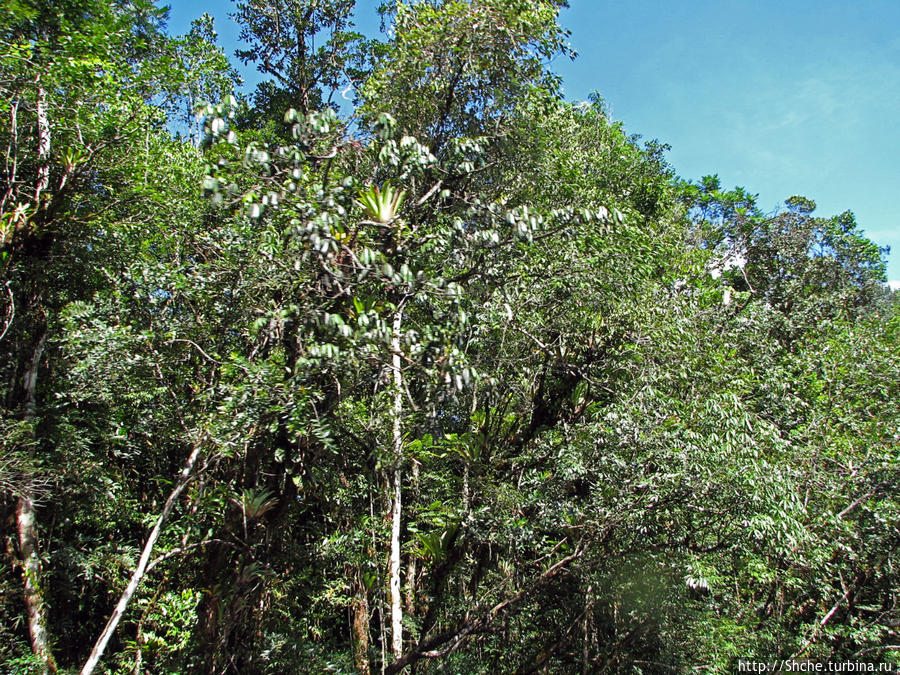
(281, 38)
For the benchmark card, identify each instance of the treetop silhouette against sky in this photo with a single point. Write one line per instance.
(780, 98)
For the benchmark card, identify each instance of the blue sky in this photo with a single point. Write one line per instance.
(782, 97)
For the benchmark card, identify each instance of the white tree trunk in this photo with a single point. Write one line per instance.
(43, 133)
(397, 510)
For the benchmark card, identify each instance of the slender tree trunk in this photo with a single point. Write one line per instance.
(397, 509)
(466, 498)
(12, 153)
(466, 494)
(379, 604)
(360, 626)
(586, 632)
(35, 608)
(209, 608)
(411, 567)
(43, 132)
(26, 524)
(122, 605)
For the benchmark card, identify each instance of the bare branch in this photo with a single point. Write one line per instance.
(187, 473)
(427, 195)
(431, 648)
(11, 312)
(826, 618)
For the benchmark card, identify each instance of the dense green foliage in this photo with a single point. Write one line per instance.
(459, 379)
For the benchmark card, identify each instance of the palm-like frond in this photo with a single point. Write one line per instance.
(256, 502)
(381, 204)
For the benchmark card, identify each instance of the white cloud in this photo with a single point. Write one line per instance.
(894, 285)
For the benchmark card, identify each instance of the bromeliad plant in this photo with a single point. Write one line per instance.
(381, 204)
